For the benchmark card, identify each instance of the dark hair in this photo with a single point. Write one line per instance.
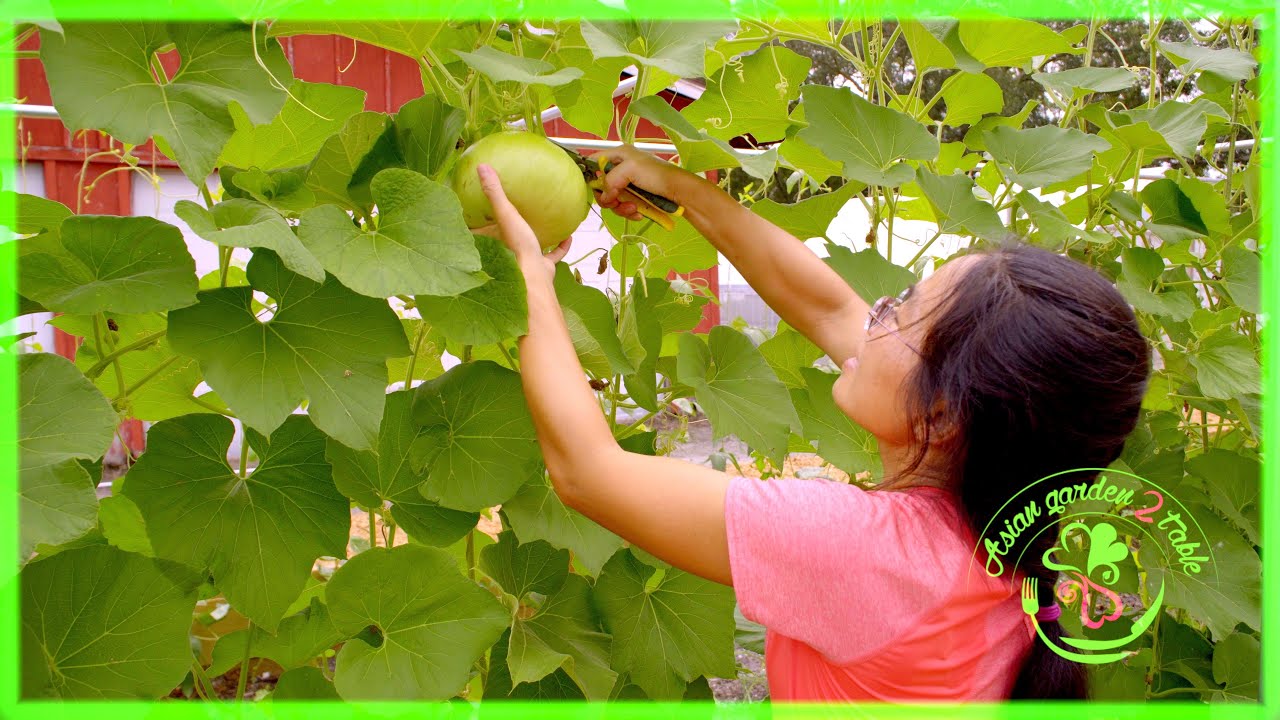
(1034, 364)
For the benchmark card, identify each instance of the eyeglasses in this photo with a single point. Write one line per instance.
(885, 309)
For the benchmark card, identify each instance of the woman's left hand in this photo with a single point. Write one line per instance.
(512, 228)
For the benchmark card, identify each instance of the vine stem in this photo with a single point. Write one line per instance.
(210, 406)
(507, 354)
(471, 554)
(244, 453)
(132, 389)
(204, 688)
(99, 319)
(373, 527)
(96, 369)
(413, 359)
(244, 663)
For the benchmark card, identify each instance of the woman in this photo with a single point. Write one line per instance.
(999, 369)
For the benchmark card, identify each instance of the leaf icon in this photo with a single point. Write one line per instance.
(1105, 551)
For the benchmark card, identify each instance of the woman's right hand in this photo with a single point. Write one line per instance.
(645, 171)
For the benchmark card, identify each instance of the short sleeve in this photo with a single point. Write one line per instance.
(832, 565)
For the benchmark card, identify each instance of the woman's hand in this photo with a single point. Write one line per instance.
(645, 171)
(512, 228)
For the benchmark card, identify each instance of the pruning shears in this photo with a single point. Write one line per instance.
(651, 205)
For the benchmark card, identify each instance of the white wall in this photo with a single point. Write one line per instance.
(28, 179)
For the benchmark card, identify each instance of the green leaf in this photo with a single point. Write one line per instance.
(312, 112)
(122, 525)
(1237, 666)
(421, 244)
(1227, 365)
(492, 312)
(971, 96)
(1226, 63)
(597, 315)
(839, 441)
(1042, 155)
(245, 223)
(751, 97)
(666, 635)
(285, 190)
(300, 638)
(927, 51)
(523, 568)
(121, 264)
(304, 683)
(1055, 228)
(62, 418)
(537, 513)
(324, 343)
(407, 37)
(1240, 276)
(1140, 267)
(699, 151)
(504, 67)
(427, 131)
(1233, 482)
(1078, 82)
(869, 139)
(432, 621)
(563, 634)
(1227, 589)
(1010, 41)
(428, 350)
(385, 475)
(681, 250)
(737, 389)
(867, 272)
(497, 685)
(810, 217)
(655, 311)
(587, 103)
(787, 352)
(334, 168)
(1171, 128)
(1173, 215)
(98, 622)
(975, 138)
(477, 440)
(100, 77)
(676, 47)
(258, 536)
(34, 214)
(957, 208)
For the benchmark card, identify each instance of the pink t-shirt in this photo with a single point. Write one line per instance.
(871, 595)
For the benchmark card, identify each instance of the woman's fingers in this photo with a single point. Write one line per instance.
(558, 253)
(503, 210)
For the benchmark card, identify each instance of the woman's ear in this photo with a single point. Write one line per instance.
(943, 427)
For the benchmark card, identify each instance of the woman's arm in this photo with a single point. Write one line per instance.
(795, 282)
(670, 508)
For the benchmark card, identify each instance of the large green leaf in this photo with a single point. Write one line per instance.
(1081, 81)
(958, 209)
(245, 223)
(1227, 365)
(98, 622)
(665, 632)
(1140, 268)
(587, 103)
(492, 312)
(259, 535)
(121, 264)
(1170, 128)
(655, 311)
(927, 50)
(675, 47)
(427, 347)
(1173, 215)
(171, 380)
(1237, 666)
(867, 272)
(537, 513)
(312, 112)
(432, 624)
(787, 352)
(285, 189)
(505, 67)
(751, 97)
(970, 96)
(563, 634)
(385, 475)
(699, 151)
(324, 343)
(838, 440)
(1241, 269)
(524, 568)
(497, 684)
(812, 216)
(1226, 63)
(421, 243)
(427, 132)
(477, 441)
(596, 313)
(101, 78)
(1055, 229)
(334, 169)
(1233, 482)
(1010, 41)
(1042, 155)
(407, 37)
(737, 389)
(299, 639)
(304, 683)
(62, 418)
(869, 139)
(34, 214)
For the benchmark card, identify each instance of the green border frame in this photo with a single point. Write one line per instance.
(1265, 10)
